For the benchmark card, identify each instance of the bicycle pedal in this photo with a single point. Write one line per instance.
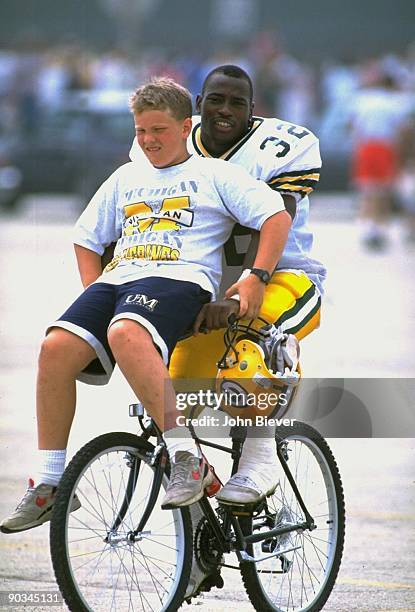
(212, 580)
(240, 510)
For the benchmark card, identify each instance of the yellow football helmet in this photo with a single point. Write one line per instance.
(259, 371)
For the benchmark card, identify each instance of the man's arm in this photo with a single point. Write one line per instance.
(268, 249)
(89, 264)
(291, 208)
(215, 314)
(272, 239)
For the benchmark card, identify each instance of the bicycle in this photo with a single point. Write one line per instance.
(121, 551)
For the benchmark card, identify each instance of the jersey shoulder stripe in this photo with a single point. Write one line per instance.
(303, 181)
(201, 150)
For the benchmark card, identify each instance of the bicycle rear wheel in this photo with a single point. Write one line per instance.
(98, 563)
(302, 577)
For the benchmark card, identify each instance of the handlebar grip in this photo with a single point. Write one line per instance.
(232, 318)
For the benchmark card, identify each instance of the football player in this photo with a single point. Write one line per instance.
(286, 157)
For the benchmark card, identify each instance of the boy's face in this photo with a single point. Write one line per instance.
(162, 137)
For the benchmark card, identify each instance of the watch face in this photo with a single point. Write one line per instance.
(261, 274)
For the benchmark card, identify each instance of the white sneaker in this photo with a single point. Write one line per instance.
(34, 509)
(189, 477)
(257, 474)
(242, 489)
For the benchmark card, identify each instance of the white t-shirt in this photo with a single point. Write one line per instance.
(173, 222)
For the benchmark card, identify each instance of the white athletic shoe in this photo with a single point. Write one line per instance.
(34, 509)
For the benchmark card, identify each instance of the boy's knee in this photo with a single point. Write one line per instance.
(52, 346)
(62, 347)
(124, 331)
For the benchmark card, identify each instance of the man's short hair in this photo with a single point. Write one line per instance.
(163, 94)
(232, 71)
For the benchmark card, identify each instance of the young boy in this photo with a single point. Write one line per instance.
(170, 220)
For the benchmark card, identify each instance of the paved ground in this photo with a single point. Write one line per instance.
(368, 331)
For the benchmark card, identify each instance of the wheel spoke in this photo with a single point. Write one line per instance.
(299, 580)
(105, 566)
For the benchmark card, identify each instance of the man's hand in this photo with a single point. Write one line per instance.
(215, 315)
(251, 295)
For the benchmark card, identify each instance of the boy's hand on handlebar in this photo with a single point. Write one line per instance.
(251, 295)
(215, 315)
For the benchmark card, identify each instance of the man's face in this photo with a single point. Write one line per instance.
(162, 137)
(226, 110)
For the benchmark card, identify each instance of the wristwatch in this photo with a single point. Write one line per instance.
(263, 275)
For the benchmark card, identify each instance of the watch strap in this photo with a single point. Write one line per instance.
(263, 275)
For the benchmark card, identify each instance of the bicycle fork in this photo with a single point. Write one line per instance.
(158, 459)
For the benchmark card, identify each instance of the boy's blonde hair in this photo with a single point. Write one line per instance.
(163, 94)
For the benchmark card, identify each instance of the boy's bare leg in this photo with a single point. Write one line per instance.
(63, 355)
(144, 369)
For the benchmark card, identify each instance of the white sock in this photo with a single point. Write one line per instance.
(259, 460)
(51, 465)
(179, 439)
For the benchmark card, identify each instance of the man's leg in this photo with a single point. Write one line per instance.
(374, 216)
(63, 355)
(292, 302)
(143, 367)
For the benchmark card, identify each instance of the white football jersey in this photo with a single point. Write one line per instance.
(287, 158)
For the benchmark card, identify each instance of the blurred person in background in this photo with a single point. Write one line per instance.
(24, 86)
(339, 81)
(284, 86)
(405, 187)
(112, 70)
(378, 114)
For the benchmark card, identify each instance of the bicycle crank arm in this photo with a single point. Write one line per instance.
(246, 557)
(276, 531)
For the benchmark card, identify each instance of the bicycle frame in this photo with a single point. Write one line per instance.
(232, 513)
(227, 542)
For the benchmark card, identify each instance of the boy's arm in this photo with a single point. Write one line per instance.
(89, 264)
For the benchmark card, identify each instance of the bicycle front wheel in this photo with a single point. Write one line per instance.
(99, 562)
(303, 564)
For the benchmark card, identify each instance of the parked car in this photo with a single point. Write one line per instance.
(76, 146)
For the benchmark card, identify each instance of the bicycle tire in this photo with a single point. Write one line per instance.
(300, 580)
(103, 570)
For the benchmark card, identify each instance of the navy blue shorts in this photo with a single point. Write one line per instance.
(166, 308)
